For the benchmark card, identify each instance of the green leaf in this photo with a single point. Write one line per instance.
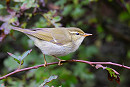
(41, 23)
(57, 18)
(28, 4)
(128, 53)
(22, 61)
(57, 24)
(100, 28)
(25, 54)
(124, 16)
(84, 2)
(109, 38)
(77, 12)
(61, 2)
(17, 61)
(128, 7)
(52, 20)
(67, 10)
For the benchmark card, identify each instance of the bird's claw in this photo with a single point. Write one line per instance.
(59, 63)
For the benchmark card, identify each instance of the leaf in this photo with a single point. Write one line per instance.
(113, 74)
(22, 61)
(128, 7)
(67, 10)
(57, 18)
(28, 4)
(124, 16)
(109, 38)
(25, 54)
(128, 53)
(61, 2)
(100, 29)
(19, 59)
(49, 16)
(48, 80)
(78, 12)
(58, 24)
(14, 56)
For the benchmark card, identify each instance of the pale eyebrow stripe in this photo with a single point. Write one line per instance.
(73, 32)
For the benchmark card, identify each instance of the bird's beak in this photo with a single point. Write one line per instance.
(86, 34)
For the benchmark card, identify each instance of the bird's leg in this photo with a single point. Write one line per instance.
(45, 62)
(59, 60)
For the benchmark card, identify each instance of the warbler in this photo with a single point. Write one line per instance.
(55, 41)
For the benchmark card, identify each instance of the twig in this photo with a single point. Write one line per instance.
(53, 63)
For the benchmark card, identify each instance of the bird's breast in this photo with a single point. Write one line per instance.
(49, 48)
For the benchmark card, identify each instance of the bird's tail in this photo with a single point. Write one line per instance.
(20, 29)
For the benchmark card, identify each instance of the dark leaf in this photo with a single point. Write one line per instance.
(118, 79)
(110, 78)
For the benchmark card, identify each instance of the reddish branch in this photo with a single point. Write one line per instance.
(81, 61)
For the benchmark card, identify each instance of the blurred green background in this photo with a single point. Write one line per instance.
(107, 20)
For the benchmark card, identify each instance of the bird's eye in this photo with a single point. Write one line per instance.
(77, 33)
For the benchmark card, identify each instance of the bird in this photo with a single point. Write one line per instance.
(55, 42)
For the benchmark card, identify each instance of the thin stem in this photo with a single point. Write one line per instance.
(19, 65)
(53, 63)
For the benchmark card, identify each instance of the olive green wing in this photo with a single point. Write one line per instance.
(42, 34)
(58, 36)
(61, 36)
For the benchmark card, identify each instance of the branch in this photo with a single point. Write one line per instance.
(53, 63)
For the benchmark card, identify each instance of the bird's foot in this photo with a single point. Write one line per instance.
(45, 64)
(60, 62)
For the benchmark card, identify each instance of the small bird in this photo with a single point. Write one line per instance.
(55, 41)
